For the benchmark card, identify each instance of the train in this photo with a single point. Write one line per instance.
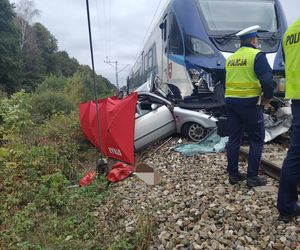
(188, 47)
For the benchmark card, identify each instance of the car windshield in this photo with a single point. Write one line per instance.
(228, 16)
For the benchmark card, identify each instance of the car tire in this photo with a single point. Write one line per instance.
(195, 131)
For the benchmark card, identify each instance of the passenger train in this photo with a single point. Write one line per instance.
(188, 47)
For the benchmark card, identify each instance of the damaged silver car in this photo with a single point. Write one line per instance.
(157, 118)
(160, 113)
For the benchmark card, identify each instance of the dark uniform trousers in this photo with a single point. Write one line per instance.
(290, 172)
(250, 119)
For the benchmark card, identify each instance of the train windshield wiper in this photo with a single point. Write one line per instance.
(226, 36)
(274, 34)
(262, 31)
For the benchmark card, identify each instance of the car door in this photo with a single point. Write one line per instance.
(154, 120)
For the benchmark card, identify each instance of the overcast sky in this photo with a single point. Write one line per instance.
(119, 29)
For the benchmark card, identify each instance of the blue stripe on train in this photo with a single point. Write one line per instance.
(179, 59)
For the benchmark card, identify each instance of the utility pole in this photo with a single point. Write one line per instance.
(115, 65)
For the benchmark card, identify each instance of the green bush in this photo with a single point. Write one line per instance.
(103, 87)
(74, 89)
(15, 112)
(39, 164)
(37, 210)
(48, 103)
(55, 217)
(52, 82)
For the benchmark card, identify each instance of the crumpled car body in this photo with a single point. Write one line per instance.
(157, 118)
(277, 124)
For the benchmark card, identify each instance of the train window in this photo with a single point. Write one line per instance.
(175, 41)
(150, 58)
(136, 78)
(197, 46)
(145, 62)
(142, 63)
(234, 15)
(154, 56)
(165, 31)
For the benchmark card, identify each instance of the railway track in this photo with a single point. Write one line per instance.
(272, 157)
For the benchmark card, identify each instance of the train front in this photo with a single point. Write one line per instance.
(208, 29)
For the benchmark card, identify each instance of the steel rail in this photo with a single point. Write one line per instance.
(283, 139)
(269, 168)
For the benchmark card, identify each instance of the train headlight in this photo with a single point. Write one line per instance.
(200, 47)
(202, 80)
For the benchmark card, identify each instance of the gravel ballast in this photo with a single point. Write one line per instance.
(195, 207)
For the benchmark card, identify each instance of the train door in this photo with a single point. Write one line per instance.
(178, 77)
(173, 63)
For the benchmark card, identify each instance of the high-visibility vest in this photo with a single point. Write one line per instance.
(241, 80)
(291, 47)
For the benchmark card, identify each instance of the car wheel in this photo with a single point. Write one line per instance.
(195, 131)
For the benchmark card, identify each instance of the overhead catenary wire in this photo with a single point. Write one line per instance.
(152, 20)
(105, 26)
(150, 26)
(105, 16)
(117, 71)
(101, 29)
(147, 31)
(104, 22)
(109, 24)
(106, 30)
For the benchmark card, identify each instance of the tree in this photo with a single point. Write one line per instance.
(103, 87)
(46, 41)
(26, 12)
(29, 53)
(47, 44)
(64, 65)
(34, 69)
(10, 53)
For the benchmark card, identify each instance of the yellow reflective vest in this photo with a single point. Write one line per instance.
(241, 80)
(291, 48)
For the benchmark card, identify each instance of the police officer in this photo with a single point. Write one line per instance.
(290, 173)
(249, 84)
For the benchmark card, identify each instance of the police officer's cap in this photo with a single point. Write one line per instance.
(248, 32)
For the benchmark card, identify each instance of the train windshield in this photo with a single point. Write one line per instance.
(227, 16)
